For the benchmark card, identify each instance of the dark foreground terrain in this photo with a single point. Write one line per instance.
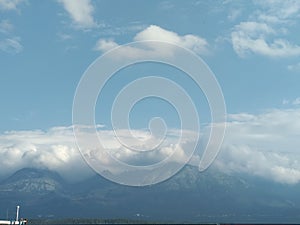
(189, 196)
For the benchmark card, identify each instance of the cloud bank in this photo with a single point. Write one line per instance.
(264, 145)
(56, 150)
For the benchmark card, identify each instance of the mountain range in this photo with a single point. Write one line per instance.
(210, 196)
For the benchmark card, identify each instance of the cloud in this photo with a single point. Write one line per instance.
(105, 45)
(166, 5)
(264, 145)
(56, 149)
(296, 101)
(81, 12)
(294, 67)
(250, 37)
(109, 30)
(156, 33)
(278, 12)
(53, 149)
(254, 29)
(11, 45)
(6, 27)
(266, 31)
(234, 14)
(64, 37)
(10, 4)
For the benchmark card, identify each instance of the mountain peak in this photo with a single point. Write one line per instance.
(32, 180)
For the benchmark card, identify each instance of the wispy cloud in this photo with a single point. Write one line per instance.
(234, 14)
(81, 12)
(294, 67)
(64, 37)
(296, 101)
(251, 37)
(114, 30)
(277, 11)
(6, 27)
(10, 4)
(166, 5)
(257, 34)
(11, 45)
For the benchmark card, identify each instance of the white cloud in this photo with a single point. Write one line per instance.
(56, 149)
(258, 36)
(250, 37)
(81, 12)
(11, 45)
(254, 29)
(105, 45)
(265, 145)
(10, 4)
(156, 33)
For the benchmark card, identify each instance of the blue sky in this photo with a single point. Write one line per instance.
(45, 50)
(252, 47)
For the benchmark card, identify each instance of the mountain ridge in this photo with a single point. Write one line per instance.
(210, 196)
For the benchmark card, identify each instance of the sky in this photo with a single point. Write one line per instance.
(252, 47)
